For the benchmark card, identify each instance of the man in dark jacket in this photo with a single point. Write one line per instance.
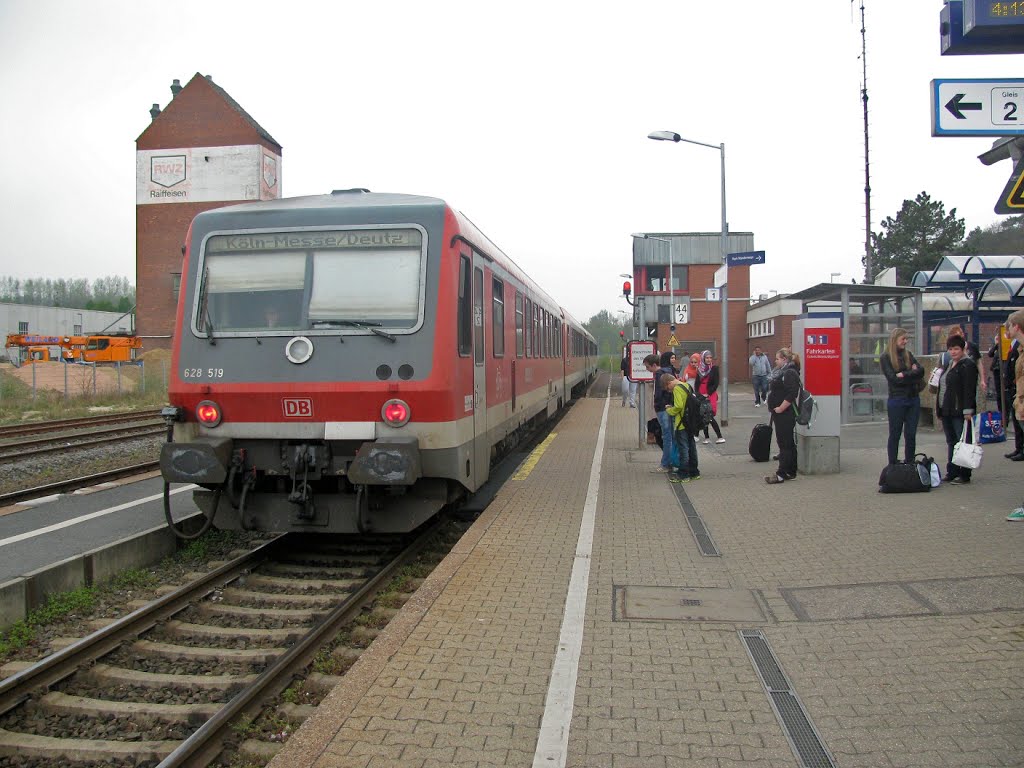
(662, 398)
(1009, 382)
(958, 402)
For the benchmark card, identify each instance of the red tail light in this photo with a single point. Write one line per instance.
(395, 413)
(208, 413)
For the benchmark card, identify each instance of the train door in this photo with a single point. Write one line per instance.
(481, 448)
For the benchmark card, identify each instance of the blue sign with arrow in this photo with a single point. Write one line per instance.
(744, 258)
(978, 107)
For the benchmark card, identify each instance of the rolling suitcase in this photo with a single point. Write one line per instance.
(761, 442)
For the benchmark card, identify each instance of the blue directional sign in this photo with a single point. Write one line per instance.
(744, 258)
(975, 107)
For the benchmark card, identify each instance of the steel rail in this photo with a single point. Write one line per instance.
(86, 440)
(62, 486)
(55, 667)
(203, 746)
(14, 430)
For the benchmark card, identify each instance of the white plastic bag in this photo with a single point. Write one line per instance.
(936, 475)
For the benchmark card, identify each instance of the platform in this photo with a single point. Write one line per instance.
(597, 615)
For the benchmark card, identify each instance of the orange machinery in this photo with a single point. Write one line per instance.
(96, 348)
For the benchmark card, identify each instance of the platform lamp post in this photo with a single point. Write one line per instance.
(724, 387)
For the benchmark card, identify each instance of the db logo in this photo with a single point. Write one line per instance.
(297, 407)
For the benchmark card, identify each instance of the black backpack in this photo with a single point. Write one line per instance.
(697, 413)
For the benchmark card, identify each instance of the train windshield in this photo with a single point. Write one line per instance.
(311, 280)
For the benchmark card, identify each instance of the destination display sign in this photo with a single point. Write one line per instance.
(278, 241)
(975, 107)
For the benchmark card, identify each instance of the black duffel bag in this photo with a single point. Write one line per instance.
(905, 478)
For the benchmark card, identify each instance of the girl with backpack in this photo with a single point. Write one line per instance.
(783, 391)
(707, 385)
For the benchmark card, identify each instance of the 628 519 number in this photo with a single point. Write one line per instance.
(202, 373)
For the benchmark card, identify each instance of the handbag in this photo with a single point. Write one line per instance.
(965, 454)
(988, 426)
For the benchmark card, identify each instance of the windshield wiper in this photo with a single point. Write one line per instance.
(204, 307)
(372, 327)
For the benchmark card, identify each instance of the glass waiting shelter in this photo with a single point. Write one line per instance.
(870, 313)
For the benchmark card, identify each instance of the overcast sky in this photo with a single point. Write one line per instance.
(531, 117)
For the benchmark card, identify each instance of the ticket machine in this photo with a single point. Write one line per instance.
(818, 339)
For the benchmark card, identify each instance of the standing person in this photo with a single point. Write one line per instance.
(1009, 380)
(628, 387)
(760, 370)
(783, 390)
(684, 439)
(1015, 329)
(956, 404)
(690, 374)
(663, 398)
(903, 374)
(707, 384)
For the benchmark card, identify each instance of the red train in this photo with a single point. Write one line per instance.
(355, 361)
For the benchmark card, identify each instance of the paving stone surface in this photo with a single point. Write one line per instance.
(897, 620)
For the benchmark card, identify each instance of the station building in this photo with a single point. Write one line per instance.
(201, 151)
(690, 260)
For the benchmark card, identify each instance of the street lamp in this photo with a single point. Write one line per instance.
(724, 399)
(833, 275)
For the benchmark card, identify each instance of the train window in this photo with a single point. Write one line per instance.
(478, 316)
(369, 285)
(528, 333)
(519, 324)
(465, 311)
(538, 335)
(336, 279)
(498, 319)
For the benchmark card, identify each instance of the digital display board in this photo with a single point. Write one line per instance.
(994, 16)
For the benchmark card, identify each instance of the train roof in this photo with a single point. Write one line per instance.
(362, 198)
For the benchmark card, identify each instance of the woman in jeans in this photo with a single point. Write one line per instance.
(904, 375)
(783, 390)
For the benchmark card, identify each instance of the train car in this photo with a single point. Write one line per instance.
(353, 362)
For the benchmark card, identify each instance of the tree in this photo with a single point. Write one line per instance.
(920, 235)
(1004, 238)
(605, 328)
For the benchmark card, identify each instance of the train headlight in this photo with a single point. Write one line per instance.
(396, 413)
(298, 350)
(208, 413)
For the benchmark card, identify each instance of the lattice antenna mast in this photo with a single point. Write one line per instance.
(868, 270)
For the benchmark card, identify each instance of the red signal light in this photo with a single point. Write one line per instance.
(627, 287)
(395, 413)
(208, 413)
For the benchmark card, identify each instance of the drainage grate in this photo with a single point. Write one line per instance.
(803, 737)
(688, 601)
(700, 532)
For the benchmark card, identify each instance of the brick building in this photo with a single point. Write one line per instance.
(693, 258)
(201, 151)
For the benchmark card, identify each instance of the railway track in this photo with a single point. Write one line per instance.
(42, 427)
(164, 684)
(64, 486)
(23, 449)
